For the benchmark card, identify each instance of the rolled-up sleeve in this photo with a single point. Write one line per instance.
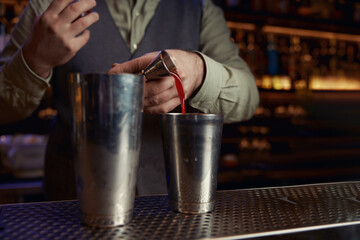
(229, 86)
(21, 90)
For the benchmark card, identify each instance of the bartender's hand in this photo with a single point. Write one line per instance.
(160, 95)
(58, 34)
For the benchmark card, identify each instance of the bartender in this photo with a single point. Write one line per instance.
(51, 40)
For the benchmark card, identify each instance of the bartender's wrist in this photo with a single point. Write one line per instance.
(35, 66)
(200, 64)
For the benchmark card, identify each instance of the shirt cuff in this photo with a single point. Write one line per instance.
(209, 91)
(47, 80)
(23, 77)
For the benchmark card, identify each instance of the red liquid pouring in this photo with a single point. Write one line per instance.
(180, 90)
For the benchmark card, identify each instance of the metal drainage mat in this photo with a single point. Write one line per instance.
(241, 213)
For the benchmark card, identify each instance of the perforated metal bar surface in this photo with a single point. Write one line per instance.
(238, 214)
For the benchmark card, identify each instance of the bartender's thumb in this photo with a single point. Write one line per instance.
(133, 66)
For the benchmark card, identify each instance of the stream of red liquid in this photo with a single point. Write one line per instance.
(180, 90)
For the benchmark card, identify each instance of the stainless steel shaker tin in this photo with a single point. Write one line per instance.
(191, 150)
(107, 121)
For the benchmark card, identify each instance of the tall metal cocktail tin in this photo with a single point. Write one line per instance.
(107, 121)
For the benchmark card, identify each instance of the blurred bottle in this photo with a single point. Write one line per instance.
(350, 60)
(239, 39)
(273, 56)
(251, 58)
(305, 68)
(357, 73)
(283, 49)
(294, 60)
(341, 55)
(260, 55)
(324, 58)
(333, 61)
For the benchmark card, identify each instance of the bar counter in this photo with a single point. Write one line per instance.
(316, 211)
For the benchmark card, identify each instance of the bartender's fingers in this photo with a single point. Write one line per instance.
(75, 9)
(83, 23)
(134, 66)
(152, 88)
(57, 6)
(163, 108)
(160, 98)
(126, 67)
(80, 40)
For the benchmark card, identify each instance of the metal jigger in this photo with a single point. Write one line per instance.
(161, 66)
